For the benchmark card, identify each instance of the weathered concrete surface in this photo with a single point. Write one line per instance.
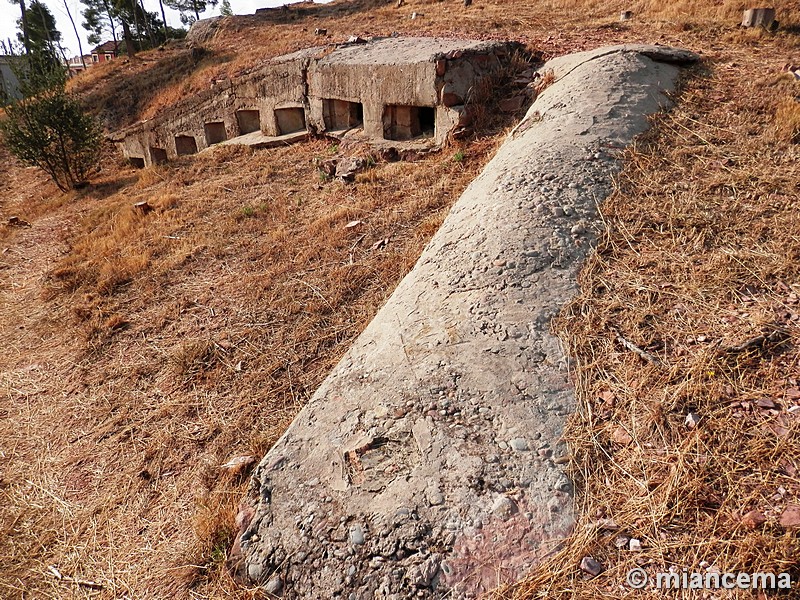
(428, 462)
(372, 90)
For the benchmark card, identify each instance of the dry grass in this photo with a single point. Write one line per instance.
(787, 120)
(157, 79)
(141, 352)
(706, 263)
(176, 340)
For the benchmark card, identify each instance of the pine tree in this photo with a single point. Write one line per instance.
(190, 9)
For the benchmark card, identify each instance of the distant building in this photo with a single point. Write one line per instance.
(9, 84)
(105, 52)
(76, 65)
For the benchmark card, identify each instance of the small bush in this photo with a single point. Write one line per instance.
(52, 131)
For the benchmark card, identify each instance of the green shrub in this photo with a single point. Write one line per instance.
(51, 131)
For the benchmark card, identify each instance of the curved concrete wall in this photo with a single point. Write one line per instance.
(428, 464)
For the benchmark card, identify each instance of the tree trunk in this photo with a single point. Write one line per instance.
(164, 18)
(25, 38)
(113, 27)
(136, 25)
(126, 30)
(80, 46)
(196, 14)
(46, 29)
(147, 27)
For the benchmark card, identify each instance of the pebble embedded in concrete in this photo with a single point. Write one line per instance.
(356, 535)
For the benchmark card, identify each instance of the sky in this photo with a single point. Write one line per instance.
(9, 13)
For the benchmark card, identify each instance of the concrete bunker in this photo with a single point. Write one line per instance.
(402, 123)
(249, 121)
(136, 161)
(341, 115)
(185, 144)
(158, 156)
(392, 92)
(290, 119)
(215, 132)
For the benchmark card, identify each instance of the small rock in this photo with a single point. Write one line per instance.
(578, 229)
(519, 444)
(692, 420)
(143, 207)
(621, 541)
(347, 168)
(621, 436)
(274, 586)
(17, 222)
(355, 39)
(635, 545)
(254, 571)
(591, 566)
(790, 517)
(625, 15)
(503, 507)
(435, 497)
(320, 31)
(356, 535)
(753, 519)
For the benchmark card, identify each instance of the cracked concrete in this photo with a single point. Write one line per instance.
(429, 463)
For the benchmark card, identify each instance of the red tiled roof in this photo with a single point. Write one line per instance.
(110, 46)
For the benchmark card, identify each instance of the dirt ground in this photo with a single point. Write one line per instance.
(143, 351)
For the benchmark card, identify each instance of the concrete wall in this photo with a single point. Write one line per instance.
(403, 74)
(9, 84)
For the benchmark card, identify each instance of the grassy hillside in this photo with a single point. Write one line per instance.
(144, 351)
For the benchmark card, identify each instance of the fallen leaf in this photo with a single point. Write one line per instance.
(352, 224)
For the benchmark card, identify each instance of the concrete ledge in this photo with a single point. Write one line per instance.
(428, 464)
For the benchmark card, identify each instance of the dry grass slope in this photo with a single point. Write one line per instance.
(177, 340)
(142, 351)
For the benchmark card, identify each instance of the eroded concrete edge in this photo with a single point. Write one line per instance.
(427, 463)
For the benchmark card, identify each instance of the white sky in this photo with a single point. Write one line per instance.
(9, 13)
